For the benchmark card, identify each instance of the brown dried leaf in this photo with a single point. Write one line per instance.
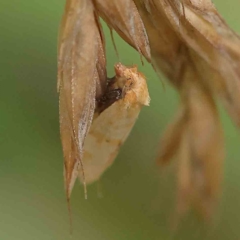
(192, 45)
(205, 149)
(197, 141)
(124, 18)
(165, 45)
(217, 46)
(198, 26)
(81, 73)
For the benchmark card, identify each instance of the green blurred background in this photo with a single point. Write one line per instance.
(138, 198)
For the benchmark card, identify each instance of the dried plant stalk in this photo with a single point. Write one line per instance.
(191, 44)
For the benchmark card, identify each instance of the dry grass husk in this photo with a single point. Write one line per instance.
(191, 44)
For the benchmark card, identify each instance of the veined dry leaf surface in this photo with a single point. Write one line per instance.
(126, 93)
(191, 44)
(81, 78)
(124, 18)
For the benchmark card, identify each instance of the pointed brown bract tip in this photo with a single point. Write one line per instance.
(124, 18)
(81, 79)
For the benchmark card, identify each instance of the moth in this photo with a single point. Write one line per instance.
(186, 40)
(115, 115)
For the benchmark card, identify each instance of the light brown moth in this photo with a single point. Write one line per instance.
(187, 41)
(115, 115)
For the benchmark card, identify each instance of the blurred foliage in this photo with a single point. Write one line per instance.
(138, 198)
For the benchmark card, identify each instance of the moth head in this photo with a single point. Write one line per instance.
(135, 86)
(131, 83)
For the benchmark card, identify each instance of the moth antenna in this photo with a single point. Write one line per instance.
(114, 43)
